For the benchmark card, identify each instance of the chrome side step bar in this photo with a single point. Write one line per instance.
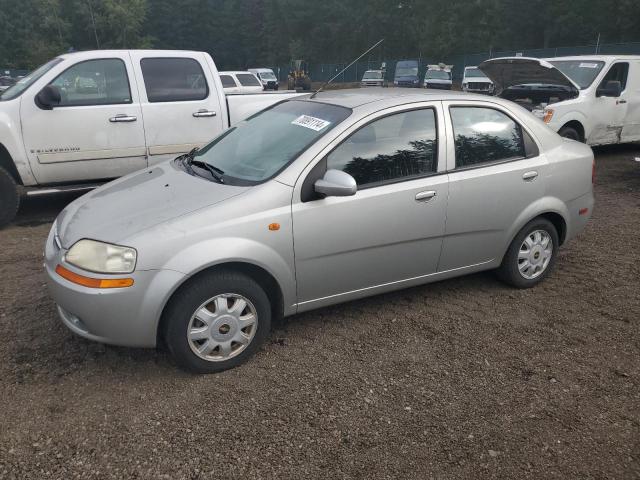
(60, 189)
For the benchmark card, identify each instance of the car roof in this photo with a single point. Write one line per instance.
(235, 72)
(353, 98)
(605, 58)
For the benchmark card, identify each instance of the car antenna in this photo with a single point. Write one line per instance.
(344, 69)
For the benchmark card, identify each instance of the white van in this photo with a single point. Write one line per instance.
(438, 76)
(593, 99)
(267, 78)
(240, 82)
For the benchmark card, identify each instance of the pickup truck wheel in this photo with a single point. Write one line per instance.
(216, 322)
(569, 132)
(531, 255)
(9, 198)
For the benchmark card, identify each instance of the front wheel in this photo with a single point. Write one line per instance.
(569, 132)
(216, 321)
(531, 255)
(9, 198)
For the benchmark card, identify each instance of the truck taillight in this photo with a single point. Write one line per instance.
(593, 172)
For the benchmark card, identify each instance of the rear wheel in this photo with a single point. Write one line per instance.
(531, 255)
(570, 132)
(216, 322)
(9, 198)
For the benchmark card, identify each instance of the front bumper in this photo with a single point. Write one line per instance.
(119, 316)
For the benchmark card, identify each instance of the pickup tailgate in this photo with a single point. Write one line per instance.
(242, 106)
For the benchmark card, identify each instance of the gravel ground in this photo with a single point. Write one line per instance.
(465, 378)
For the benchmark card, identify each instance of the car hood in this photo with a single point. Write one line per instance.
(133, 203)
(509, 71)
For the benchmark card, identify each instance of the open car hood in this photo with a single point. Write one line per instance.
(510, 71)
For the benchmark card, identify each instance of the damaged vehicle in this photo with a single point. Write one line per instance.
(591, 99)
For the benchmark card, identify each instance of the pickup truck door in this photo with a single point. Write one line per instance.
(96, 132)
(182, 101)
(631, 129)
(610, 113)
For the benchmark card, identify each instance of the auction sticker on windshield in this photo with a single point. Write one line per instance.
(313, 123)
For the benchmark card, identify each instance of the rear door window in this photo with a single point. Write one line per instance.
(173, 79)
(248, 80)
(485, 135)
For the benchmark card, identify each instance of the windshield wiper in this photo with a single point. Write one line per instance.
(214, 171)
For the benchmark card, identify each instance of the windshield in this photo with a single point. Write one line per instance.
(258, 148)
(267, 76)
(582, 72)
(474, 72)
(406, 71)
(372, 76)
(438, 75)
(25, 82)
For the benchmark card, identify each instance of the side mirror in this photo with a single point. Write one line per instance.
(613, 88)
(336, 183)
(48, 97)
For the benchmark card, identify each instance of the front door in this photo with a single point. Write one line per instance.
(610, 113)
(391, 229)
(181, 102)
(498, 172)
(95, 133)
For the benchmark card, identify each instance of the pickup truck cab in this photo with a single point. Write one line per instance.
(267, 78)
(87, 117)
(475, 81)
(593, 99)
(243, 82)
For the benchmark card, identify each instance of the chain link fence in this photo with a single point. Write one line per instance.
(322, 72)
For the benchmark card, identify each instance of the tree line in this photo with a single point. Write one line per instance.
(244, 33)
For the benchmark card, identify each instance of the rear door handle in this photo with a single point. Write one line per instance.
(123, 118)
(530, 176)
(425, 196)
(204, 113)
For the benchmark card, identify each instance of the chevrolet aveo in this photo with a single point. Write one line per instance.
(312, 202)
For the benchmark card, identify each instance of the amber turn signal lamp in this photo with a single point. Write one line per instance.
(93, 282)
(274, 226)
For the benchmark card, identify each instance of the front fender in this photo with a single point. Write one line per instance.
(209, 253)
(11, 140)
(571, 116)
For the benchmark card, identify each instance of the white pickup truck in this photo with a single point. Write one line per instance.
(87, 117)
(593, 99)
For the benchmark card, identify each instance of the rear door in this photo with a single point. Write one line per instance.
(96, 132)
(495, 173)
(180, 102)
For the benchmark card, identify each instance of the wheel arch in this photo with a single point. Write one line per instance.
(6, 162)
(578, 127)
(264, 278)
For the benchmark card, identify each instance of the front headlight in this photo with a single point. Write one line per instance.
(101, 257)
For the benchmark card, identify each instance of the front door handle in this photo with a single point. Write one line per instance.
(620, 102)
(204, 113)
(425, 196)
(123, 118)
(530, 176)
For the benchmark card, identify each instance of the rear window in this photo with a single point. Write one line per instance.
(227, 81)
(248, 80)
(173, 79)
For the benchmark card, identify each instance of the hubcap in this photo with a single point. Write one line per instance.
(535, 254)
(222, 327)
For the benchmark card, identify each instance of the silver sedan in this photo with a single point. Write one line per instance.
(315, 201)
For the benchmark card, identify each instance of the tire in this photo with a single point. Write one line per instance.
(540, 264)
(223, 327)
(570, 132)
(9, 198)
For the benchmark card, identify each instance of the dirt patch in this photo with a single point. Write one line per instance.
(461, 379)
